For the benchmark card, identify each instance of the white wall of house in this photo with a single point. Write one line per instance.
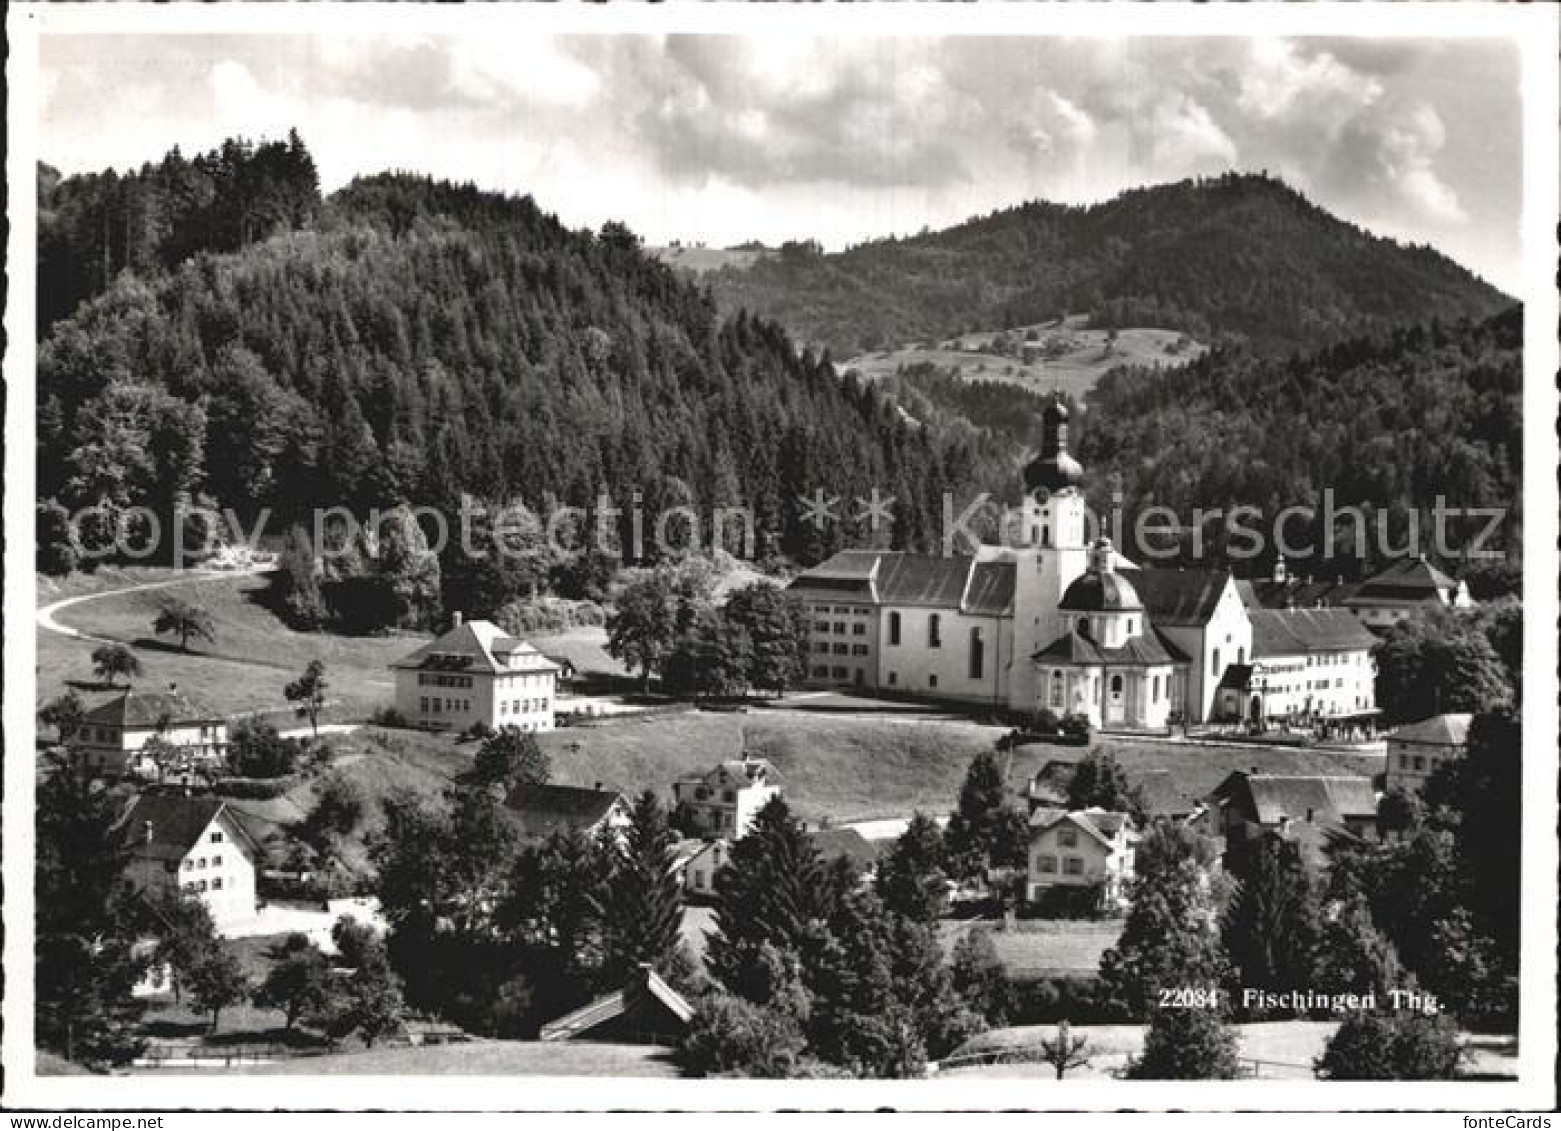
(1411, 764)
(1329, 683)
(699, 873)
(217, 869)
(842, 640)
(724, 809)
(441, 700)
(1226, 639)
(109, 749)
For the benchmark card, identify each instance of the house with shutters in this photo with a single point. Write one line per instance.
(476, 673)
(1080, 848)
(723, 802)
(113, 735)
(193, 845)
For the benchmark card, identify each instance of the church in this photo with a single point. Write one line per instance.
(1053, 620)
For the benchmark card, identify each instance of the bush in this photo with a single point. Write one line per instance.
(1186, 1044)
(1392, 1046)
(1047, 1001)
(257, 750)
(59, 550)
(548, 614)
(1075, 726)
(1047, 722)
(390, 717)
(1062, 901)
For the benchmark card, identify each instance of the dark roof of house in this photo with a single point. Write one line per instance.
(1237, 677)
(645, 990)
(542, 810)
(1179, 597)
(476, 645)
(1438, 730)
(923, 579)
(166, 826)
(1407, 579)
(1102, 825)
(1320, 799)
(1285, 632)
(1051, 782)
(751, 770)
(847, 843)
(1295, 593)
(1100, 591)
(1073, 647)
(1161, 795)
(135, 708)
(991, 589)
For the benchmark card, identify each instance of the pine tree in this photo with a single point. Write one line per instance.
(1273, 926)
(643, 911)
(1186, 1044)
(911, 880)
(985, 831)
(1170, 939)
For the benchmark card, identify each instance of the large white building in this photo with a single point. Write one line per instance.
(196, 846)
(113, 735)
(1052, 620)
(476, 673)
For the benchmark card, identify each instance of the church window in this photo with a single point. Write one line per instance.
(894, 628)
(1130, 626)
(932, 681)
(1241, 655)
(1046, 536)
(977, 654)
(935, 631)
(1216, 666)
(1056, 689)
(1154, 690)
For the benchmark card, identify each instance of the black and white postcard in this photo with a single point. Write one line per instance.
(995, 556)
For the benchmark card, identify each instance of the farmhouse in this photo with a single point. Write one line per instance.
(113, 734)
(698, 861)
(476, 673)
(194, 845)
(1308, 809)
(1417, 750)
(1080, 848)
(723, 802)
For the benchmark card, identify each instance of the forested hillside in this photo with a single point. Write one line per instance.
(415, 341)
(1388, 422)
(1237, 255)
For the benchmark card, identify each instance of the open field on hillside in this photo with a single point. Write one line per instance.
(1040, 948)
(698, 260)
(243, 671)
(1079, 356)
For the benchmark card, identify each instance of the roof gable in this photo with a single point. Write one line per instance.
(542, 810)
(1280, 632)
(167, 826)
(477, 645)
(1438, 730)
(1180, 598)
(135, 708)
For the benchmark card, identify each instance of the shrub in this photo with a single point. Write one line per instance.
(548, 614)
(1186, 1044)
(1075, 726)
(1046, 721)
(731, 1036)
(390, 717)
(1062, 901)
(257, 750)
(1392, 1046)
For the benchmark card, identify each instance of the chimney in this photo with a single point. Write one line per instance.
(456, 618)
(597, 787)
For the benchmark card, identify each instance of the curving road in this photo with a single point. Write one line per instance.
(46, 615)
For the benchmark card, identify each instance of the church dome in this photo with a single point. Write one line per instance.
(1100, 592)
(1053, 469)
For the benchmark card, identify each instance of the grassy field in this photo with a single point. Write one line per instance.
(1037, 948)
(1081, 359)
(485, 1058)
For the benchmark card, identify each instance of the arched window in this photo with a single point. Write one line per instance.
(1154, 690)
(1241, 655)
(1046, 536)
(894, 628)
(1130, 626)
(1057, 689)
(934, 631)
(1084, 626)
(977, 654)
(1116, 687)
(1217, 668)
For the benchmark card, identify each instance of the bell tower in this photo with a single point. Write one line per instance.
(1051, 550)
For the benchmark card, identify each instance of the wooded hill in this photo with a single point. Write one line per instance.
(220, 329)
(1236, 255)
(1389, 422)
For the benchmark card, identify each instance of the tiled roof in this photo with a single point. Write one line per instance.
(149, 709)
(542, 810)
(1320, 799)
(1179, 597)
(849, 843)
(174, 823)
(1287, 632)
(982, 588)
(477, 645)
(991, 589)
(1099, 823)
(742, 769)
(1406, 579)
(1295, 593)
(1438, 730)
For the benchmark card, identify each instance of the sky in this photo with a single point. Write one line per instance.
(722, 139)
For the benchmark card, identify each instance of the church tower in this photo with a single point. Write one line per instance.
(1051, 550)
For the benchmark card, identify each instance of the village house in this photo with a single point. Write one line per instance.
(113, 735)
(194, 845)
(861, 854)
(1080, 848)
(724, 801)
(1416, 751)
(1399, 590)
(697, 862)
(476, 673)
(539, 811)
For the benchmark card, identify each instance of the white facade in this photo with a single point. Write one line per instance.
(113, 734)
(217, 867)
(725, 801)
(700, 871)
(1070, 850)
(946, 654)
(476, 673)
